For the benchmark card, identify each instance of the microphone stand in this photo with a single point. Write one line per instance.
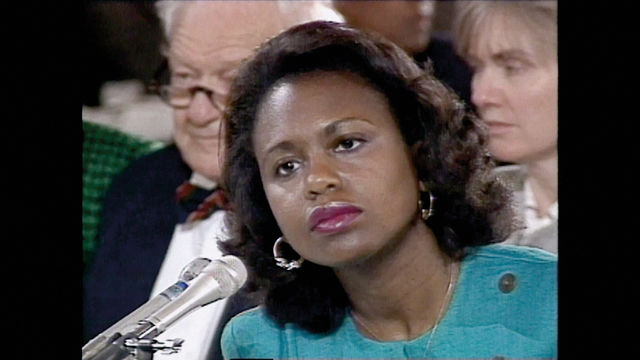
(139, 344)
(222, 279)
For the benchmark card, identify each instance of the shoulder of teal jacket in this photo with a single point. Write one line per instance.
(533, 271)
(512, 287)
(513, 253)
(250, 332)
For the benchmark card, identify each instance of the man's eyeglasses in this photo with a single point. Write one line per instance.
(180, 97)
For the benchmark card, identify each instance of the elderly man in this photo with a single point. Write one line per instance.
(408, 23)
(162, 211)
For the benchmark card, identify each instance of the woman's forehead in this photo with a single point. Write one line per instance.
(316, 99)
(295, 89)
(501, 32)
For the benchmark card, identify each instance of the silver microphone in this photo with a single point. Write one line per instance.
(220, 279)
(130, 322)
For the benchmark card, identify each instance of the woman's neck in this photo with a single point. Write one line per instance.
(543, 177)
(399, 293)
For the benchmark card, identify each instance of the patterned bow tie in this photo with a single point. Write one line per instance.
(189, 194)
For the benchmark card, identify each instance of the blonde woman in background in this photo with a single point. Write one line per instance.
(512, 49)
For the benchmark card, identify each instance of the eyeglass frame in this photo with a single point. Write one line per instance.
(164, 91)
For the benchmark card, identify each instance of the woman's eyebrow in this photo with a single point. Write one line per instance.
(505, 54)
(330, 129)
(334, 126)
(281, 146)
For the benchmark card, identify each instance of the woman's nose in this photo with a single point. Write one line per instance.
(321, 178)
(483, 90)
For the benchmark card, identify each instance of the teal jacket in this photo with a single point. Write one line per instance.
(504, 304)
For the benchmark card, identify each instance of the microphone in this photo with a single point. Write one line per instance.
(220, 279)
(130, 322)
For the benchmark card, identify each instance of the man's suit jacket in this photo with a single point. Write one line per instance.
(138, 218)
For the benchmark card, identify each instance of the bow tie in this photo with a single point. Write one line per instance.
(200, 203)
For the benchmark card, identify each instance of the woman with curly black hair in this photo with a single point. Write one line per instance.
(364, 206)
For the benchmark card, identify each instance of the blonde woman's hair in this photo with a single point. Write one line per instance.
(538, 18)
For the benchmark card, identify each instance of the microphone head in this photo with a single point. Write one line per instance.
(220, 279)
(193, 269)
(231, 274)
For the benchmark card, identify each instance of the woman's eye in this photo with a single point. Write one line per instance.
(348, 144)
(513, 67)
(287, 168)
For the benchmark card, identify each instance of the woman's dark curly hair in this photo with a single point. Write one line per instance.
(447, 144)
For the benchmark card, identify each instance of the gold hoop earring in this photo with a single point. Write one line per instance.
(281, 261)
(429, 211)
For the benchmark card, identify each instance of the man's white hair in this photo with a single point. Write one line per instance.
(294, 12)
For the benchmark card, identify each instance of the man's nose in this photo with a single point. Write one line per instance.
(202, 111)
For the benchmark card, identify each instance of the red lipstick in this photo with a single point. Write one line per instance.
(333, 218)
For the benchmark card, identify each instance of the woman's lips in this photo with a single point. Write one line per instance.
(332, 219)
(498, 128)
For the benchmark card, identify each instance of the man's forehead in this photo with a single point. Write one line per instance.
(220, 60)
(222, 31)
(225, 48)
(231, 18)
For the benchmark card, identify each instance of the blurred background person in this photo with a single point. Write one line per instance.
(167, 208)
(410, 25)
(106, 152)
(512, 48)
(121, 119)
(120, 56)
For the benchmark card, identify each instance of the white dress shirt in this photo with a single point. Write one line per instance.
(532, 221)
(189, 241)
(540, 232)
